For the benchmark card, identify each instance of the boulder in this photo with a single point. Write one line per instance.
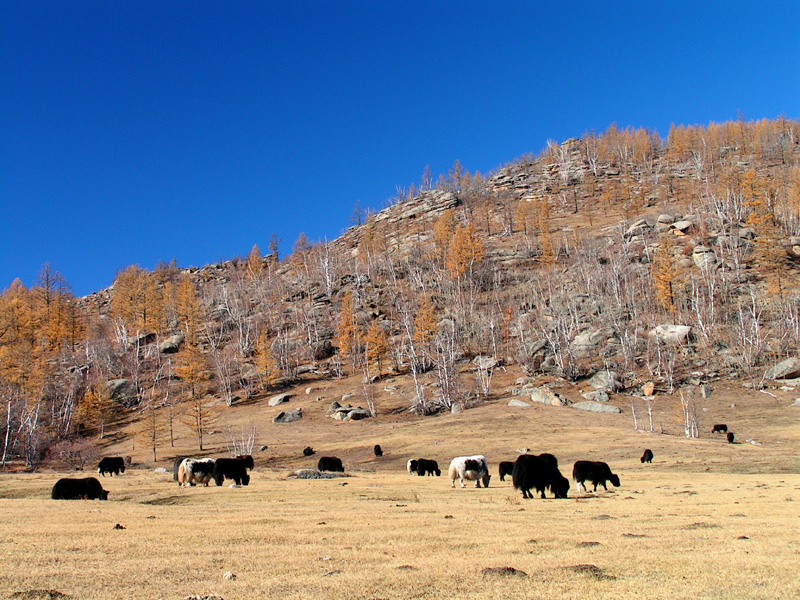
(664, 219)
(704, 257)
(515, 402)
(171, 344)
(787, 369)
(671, 334)
(606, 381)
(639, 228)
(485, 362)
(649, 388)
(596, 396)
(279, 399)
(288, 416)
(596, 407)
(544, 395)
(357, 414)
(683, 226)
(123, 392)
(334, 406)
(586, 341)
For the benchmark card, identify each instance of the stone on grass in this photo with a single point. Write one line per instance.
(598, 407)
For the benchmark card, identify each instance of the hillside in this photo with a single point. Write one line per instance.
(672, 263)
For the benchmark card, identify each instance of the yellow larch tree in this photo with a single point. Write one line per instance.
(664, 271)
(348, 332)
(425, 327)
(377, 345)
(255, 263)
(137, 300)
(464, 251)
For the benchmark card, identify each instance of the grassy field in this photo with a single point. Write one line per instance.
(706, 520)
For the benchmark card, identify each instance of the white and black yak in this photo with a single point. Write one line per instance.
(473, 468)
(195, 471)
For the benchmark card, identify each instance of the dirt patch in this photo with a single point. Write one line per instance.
(504, 572)
(590, 570)
(40, 595)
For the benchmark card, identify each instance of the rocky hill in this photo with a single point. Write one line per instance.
(662, 261)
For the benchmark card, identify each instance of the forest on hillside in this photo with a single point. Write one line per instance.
(621, 250)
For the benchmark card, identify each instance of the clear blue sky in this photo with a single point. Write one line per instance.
(139, 131)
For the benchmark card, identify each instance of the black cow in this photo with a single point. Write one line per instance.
(730, 437)
(330, 463)
(308, 451)
(175, 465)
(595, 471)
(719, 428)
(88, 488)
(427, 467)
(112, 465)
(539, 473)
(506, 468)
(647, 457)
(232, 468)
(378, 451)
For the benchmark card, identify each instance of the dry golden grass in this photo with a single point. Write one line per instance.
(705, 520)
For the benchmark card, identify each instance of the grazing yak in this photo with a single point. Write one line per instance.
(308, 451)
(730, 437)
(378, 451)
(195, 471)
(647, 457)
(506, 468)
(330, 463)
(88, 488)
(233, 468)
(113, 465)
(473, 468)
(411, 466)
(539, 473)
(595, 471)
(427, 467)
(719, 428)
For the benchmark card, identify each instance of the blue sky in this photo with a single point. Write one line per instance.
(139, 131)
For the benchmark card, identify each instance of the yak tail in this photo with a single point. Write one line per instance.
(517, 475)
(453, 473)
(183, 477)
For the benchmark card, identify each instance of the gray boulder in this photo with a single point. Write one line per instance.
(485, 362)
(671, 334)
(288, 416)
(703, 257)
(596, 396)
(606, 381)
(357, 414)
(123, 392)
(788, 369)
(279, 399)
(587, 341)
(519, 403)
(544, 395)
(597, 407)
(171, 344)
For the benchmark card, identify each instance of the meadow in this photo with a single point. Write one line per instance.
(706, 519)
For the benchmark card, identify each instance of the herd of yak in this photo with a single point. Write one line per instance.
(528, 472)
